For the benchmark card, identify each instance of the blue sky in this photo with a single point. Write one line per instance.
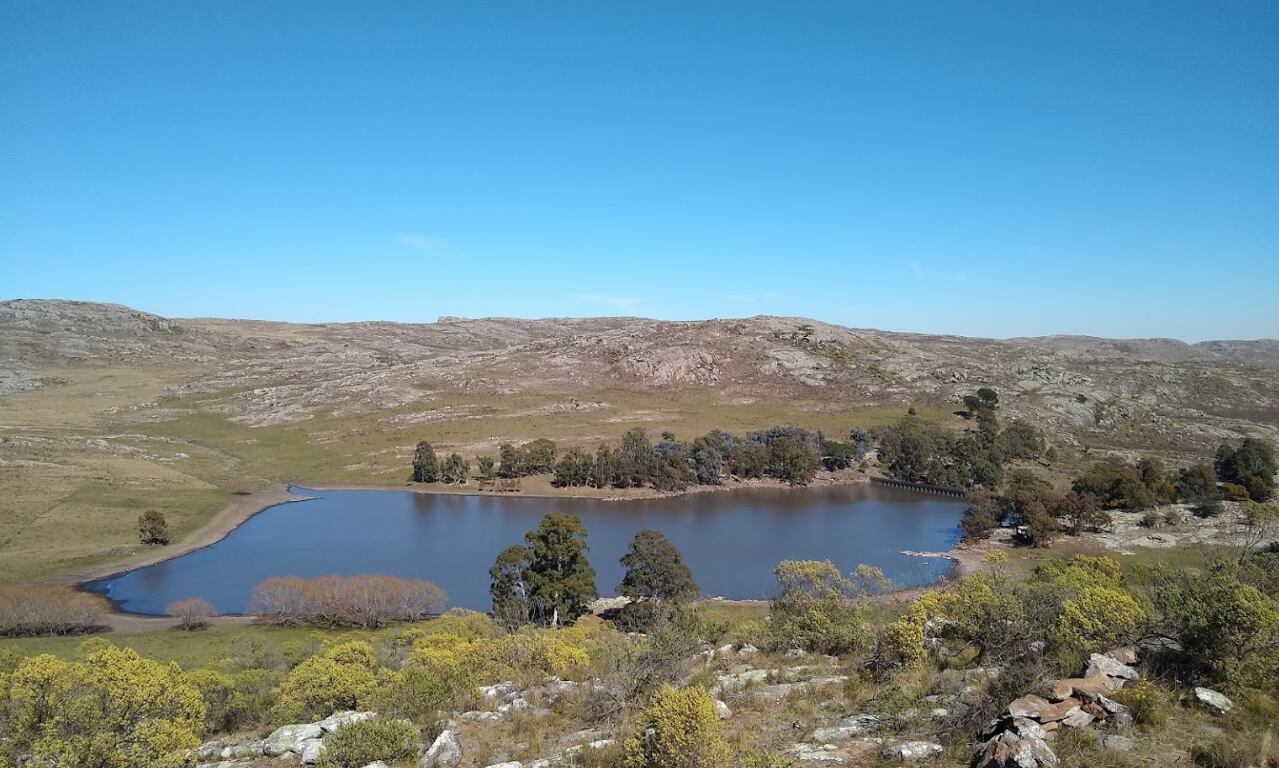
(982, 168)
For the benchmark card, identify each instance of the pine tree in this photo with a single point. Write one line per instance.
(426, 467)
(559, 578)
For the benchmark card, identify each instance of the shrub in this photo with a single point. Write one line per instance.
(49, 610)
(340, 677)
(1149, 705)
(192, 613)
(818, 609)
(360, 743)
(111, 708)
(680, 729)
(365, 600)
(153, 528)
(1150, 519)
(1233, 492)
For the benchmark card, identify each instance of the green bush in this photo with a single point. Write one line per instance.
(366, 741)
(680, 729)
(1149, 705)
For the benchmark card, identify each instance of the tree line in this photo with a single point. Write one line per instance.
(789, 454)
(1242, 472)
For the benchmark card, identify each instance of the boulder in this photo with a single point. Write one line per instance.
(499, 690)
(339, 719)
(243, 749)
(912, 750)
(1213, 701)
(1099, 664)
(1014, 749)
(815, 753)
(444, 752)
(1123, 655)
(1082, 687)
(377, 764)
(1039, 708)
(289, 738)
(311, 751)
(518, 702)
(847, 728)
(512, 764)
(722, 710)
(1078, 719)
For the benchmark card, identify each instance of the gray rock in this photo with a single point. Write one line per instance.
(499, 690)
(1100, 664)
(311, 751)
(512, 764)
(480, 716)
(815, 753)
(847, 728)
(1213, 701)
(339, 719)
(289, 738)
(377, 764)
(444, 752)
(1118, 743)
(1012, 749)
(722, 710)
(912, 750)
(1078, 719)
(243, 749)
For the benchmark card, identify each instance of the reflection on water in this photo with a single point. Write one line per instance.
(731, 540)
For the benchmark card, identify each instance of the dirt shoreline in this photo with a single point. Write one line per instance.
(245, 507)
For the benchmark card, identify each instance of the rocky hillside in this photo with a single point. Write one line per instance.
(1083, 391)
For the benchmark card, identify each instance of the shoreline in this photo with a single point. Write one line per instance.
(244, 508)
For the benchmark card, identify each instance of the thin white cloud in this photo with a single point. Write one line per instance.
(620, 303)
(421, 242)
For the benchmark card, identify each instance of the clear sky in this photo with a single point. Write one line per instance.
(983, 168)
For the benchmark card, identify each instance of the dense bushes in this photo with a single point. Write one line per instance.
(357, 744)
(366, 600)
(817, 609)
(110, 708)
(1251, 464)
(340, 677)
(49, 610)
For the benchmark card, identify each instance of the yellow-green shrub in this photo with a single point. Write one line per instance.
(361, 743)
(111, 708)
(340, 677)
(1148, 703)
(679, 729)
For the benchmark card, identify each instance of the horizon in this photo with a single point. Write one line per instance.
(997, 172)
(460, 318)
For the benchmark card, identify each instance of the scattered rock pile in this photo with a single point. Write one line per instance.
(1019, 736)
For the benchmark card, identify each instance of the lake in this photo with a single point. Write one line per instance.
(732, 540)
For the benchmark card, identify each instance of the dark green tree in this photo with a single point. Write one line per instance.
(573, 469)
(1250, 464)
(507, 586)
(426, 467)
(510, 462)
(153, 528)
(655, 570)
(559, 577)
(540, 456)
(487, 467)
(792, 460)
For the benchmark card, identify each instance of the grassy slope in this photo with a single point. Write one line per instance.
(91, 455)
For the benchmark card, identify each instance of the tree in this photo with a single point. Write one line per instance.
(426, 467)
(573, 469)
(153, 528)
(455, 469)
(1250, 464)
(680, 729)
(511, 464)
(635, 458)
(540, 456)
(1039, 527)
(1197, 483)
(982, 516)
(1081, 513)
(1022, 440)
(507, 586)
(192, 613)
(792, 460)
(837, 455)
(1115, 483)
(605, 469)
(655, 570)
(708, 463)
(559, 577)
(487, 467)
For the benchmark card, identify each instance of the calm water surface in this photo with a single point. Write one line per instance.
(732, 540)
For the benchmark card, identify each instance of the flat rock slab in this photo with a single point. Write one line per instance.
(1039, 708)
(1101, 685)
(1213, 701)
(1100, 664)
(289, 738)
